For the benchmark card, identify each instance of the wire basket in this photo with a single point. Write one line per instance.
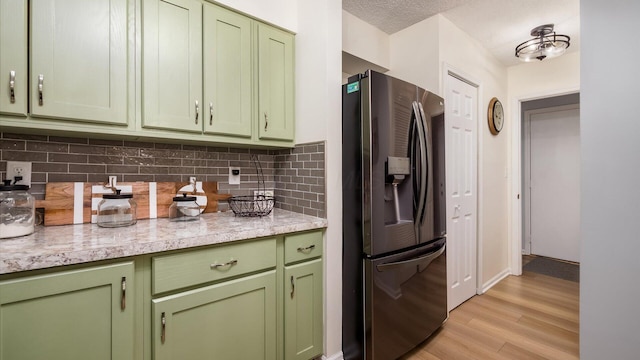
(258, 205)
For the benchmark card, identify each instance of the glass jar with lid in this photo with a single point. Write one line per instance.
(116, 210)
(17, 210)
(184, 208)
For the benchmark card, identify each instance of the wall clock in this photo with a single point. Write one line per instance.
(495, 115)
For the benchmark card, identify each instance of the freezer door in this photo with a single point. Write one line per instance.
(405, 300)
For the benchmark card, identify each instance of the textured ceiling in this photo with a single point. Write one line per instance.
(499, 25)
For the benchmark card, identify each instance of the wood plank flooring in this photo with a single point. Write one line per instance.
(531, 316)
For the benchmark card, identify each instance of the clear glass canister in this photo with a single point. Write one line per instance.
(184, 208)
(17, 210)
(116, 210)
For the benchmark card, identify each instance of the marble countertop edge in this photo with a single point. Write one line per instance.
(75, 244)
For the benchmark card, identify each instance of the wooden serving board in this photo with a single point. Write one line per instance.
(63, 204)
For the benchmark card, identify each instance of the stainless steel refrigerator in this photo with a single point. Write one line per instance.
(394, 223)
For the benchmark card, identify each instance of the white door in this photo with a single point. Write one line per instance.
(554, 160)
(461, 119)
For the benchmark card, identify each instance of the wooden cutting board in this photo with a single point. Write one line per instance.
(75, 203)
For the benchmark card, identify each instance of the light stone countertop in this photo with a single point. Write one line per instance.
(52, 246)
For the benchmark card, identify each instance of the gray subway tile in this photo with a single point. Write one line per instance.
(99, 159)
(87, 149)
(9, 144)
(24, 136)
(47, 147)
(56, 177)
(122, 169)
(10, 155)
(87, 168)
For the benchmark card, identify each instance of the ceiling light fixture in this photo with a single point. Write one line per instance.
(545, 45)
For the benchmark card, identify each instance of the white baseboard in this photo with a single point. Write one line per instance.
(336, 356)
(496, 279)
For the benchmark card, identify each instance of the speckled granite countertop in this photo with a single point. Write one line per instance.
(73, 244)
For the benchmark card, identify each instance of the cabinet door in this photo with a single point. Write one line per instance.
(276, 84)
(227, 72)
(231, 320)
(13, 57)
(79, 60)
(73, 315)
(172, 65)
(303, 310)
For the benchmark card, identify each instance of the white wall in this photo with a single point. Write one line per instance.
(319, 117)
(609, 286)
(318, 109)
(557, 76)
(364, 40)
(415, 55)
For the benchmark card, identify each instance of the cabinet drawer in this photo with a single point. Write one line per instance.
(301, 247)
(170, 272)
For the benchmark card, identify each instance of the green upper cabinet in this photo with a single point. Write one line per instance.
(227, 72)
(230, 320)
(172, 65)
(70, 315)
(13, 57)
(276, 84)
(78, 60)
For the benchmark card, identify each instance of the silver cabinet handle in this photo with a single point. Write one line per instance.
(307, 249)
(12, 86)
(40, 89)
(123, 297)
(229, 263)
(293, 287)
(197, 110)
(210, 113)
(266, 121)
(163, 321)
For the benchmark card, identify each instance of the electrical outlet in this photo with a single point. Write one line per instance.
(234, 176)
(19, 168)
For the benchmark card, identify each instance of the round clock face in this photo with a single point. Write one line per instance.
(495, 115)
(498, 116)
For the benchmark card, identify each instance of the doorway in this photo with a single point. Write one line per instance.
(551, 177)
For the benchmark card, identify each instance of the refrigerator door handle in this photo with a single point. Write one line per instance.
(424, 260)
(427, 169)
(422, 182)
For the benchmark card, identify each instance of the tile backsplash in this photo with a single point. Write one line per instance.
(296, 175)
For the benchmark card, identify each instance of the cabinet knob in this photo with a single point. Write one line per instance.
(266, 121)
(12, 86)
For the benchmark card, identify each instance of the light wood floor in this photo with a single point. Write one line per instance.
(531, 316)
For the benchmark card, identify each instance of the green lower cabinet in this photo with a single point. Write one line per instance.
(303, 310)
(71, 315)
(230, 320)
